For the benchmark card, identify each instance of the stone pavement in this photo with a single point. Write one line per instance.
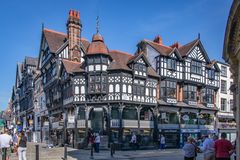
(73, 154)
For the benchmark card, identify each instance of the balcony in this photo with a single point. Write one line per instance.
(189, 126)
(115, 123)
(225, 125)
(168, 126)
(146, 124)
(81, 124)
(130, 123)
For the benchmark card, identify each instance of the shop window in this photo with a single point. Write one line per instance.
(205, 119)
(129, 113)
(189, 118)
(146, 114)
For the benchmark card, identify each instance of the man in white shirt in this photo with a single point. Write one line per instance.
(208, 148)
(5, 142)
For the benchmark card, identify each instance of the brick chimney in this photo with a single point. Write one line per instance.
(177, 45)
(158, 39)
(74, 28)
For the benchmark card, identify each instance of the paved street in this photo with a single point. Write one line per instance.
(73, 154)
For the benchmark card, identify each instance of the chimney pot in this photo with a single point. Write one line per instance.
(158, 39)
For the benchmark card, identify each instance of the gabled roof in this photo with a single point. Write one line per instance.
(162, 49)
(185, 49)
(138, 56)
(56, 39)
(31, 61)
(71, 66)
(121, 61)
(213, 63)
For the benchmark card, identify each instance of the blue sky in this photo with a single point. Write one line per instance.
(123, 23)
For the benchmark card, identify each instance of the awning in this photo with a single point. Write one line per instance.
(226, 116)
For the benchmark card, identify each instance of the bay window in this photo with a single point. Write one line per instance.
(208, 95)
(168, 89)
(190, 92)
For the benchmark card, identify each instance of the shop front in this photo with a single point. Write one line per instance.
(185, 133)
(172, 137)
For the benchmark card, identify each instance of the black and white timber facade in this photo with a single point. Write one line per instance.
(160, 89)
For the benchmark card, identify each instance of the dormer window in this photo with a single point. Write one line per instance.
(171, 64)
(196, 67)
(211, 74)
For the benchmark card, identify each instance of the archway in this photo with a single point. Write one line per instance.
(99, 120)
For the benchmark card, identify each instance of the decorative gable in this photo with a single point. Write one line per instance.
(197, 54)
(173, 55)
(141, 61)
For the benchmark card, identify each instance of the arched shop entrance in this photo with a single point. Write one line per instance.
(99, 120)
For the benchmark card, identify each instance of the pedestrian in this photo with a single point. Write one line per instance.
(223, 148)
(189, 149)
(97, 142)
(15, 142)
(162, 142)
(133, 141)
(208, 148)
(22, 146)
(5, 144)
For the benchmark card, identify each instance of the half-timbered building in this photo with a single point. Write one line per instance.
(189, 81)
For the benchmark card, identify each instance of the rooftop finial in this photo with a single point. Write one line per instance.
(198, 35)
(97, 21)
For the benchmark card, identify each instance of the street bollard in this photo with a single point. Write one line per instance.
(37, 151)
(65, 151)
(111, 149)
(91, 157)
